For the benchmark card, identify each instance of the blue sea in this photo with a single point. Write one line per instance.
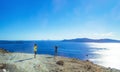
(105, 54)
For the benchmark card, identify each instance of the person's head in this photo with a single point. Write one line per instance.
(56, 47)
(35, 44)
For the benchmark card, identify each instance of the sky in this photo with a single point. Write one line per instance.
(59, 19)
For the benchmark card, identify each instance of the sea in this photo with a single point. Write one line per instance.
(105, 54)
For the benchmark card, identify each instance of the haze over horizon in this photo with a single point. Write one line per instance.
(59, 19)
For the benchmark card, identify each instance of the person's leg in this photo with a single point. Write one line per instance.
(34, 54)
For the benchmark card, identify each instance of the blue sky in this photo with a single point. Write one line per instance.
(59, 19)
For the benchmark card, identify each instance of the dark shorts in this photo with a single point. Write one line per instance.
(35, 52)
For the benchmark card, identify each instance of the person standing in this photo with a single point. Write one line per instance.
(56, 51)
(35, 50)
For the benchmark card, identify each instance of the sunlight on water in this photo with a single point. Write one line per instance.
(109, 55)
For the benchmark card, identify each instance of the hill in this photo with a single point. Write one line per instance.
(92, 40)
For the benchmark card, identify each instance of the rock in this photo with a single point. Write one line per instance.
(4, 70)
(2, 66)
(60, 63)
(3, 50)
(1, 70)
(87, 60)
(88, 67)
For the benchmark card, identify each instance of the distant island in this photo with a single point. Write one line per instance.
(14, 42)
(92, 40)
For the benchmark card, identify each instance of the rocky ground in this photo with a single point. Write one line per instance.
(22, 62)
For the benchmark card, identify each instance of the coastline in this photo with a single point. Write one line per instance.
(23, 62)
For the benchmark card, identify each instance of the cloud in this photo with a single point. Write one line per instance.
(104, 35)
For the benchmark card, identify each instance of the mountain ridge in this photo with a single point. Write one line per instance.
(106, 40)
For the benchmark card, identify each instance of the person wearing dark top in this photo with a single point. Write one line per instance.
(56, 51)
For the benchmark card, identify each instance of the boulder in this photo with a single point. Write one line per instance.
(2, 66)
(60, 62)
(3, 50)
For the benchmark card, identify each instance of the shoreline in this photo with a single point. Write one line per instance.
(23, 62)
